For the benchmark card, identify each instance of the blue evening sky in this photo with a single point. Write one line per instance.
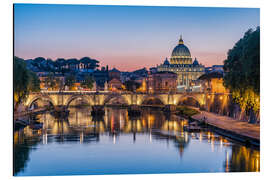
(128, 37)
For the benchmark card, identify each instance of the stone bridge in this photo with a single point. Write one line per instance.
(103, 98)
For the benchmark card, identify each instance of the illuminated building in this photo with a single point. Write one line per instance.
(143, 87)
(181, 64)
(58, 78)
(213, 82)
(164, 81)
(115, 84)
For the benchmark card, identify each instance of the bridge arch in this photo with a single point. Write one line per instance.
(115, 98)
(88, 99)
(193, 100)
(152, 99)
(35, 98)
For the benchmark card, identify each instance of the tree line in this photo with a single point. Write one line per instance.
(24, 81)
(60, 65)
(242, 71)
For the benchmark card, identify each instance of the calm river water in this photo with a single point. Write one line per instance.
(118, 144)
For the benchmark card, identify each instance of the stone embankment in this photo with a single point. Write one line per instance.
(26, 113)
(232, 128)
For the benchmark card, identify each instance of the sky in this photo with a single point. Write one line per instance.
(128, 37)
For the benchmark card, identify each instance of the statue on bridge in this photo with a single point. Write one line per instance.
(106, 86)
(95, 86)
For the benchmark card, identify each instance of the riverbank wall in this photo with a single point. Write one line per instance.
(244, 132)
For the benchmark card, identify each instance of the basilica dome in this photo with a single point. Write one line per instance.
(181, 51)
(181, 54)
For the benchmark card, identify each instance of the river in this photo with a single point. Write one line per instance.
(119, 144)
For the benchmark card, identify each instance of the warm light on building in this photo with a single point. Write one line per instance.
(181, 64)
(143, 87)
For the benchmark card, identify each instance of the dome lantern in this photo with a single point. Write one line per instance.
(181, 40)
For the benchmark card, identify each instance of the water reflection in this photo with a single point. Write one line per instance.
(81, 128)
(244, 160)
(24, 142)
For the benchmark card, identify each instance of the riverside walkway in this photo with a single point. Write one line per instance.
(25, 113)
(230, 127)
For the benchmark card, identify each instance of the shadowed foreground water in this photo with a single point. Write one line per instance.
(118, 144)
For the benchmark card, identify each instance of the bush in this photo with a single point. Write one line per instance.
(185, 111)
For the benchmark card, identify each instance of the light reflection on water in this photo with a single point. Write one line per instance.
(117, 143)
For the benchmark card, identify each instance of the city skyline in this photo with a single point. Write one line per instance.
(128, 37)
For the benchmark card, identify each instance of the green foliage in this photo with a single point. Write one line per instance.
(34, 82)
(24, 81)
(183, 110)
(242, 70)
(131, 85)
(88, 82)
(70, 80)
(20, 80)
(247, 99)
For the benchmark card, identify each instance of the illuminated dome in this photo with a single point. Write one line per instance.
(181, 54)
(181, 50)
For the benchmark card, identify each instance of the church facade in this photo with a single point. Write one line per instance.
(181, 63)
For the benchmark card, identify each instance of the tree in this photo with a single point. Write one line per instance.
(59, 64)
(242, 71)
(72, 64)
(20, 81)
(70, 81)
(88, 82)
(131, 85)
(89, 63)
(39, 60)
(24, 81)
(34, 82)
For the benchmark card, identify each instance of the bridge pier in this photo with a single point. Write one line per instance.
(134, 110)
(169, 108)
(98, 110)
(60, 111)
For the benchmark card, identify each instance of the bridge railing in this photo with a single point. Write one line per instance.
(110, 92)
(123, 92)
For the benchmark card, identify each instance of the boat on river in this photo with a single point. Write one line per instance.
(193, 127)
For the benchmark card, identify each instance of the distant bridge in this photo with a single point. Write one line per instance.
(64, 98)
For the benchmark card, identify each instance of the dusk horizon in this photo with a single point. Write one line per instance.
(139, 36)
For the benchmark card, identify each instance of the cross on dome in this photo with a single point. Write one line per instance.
(181, 40)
